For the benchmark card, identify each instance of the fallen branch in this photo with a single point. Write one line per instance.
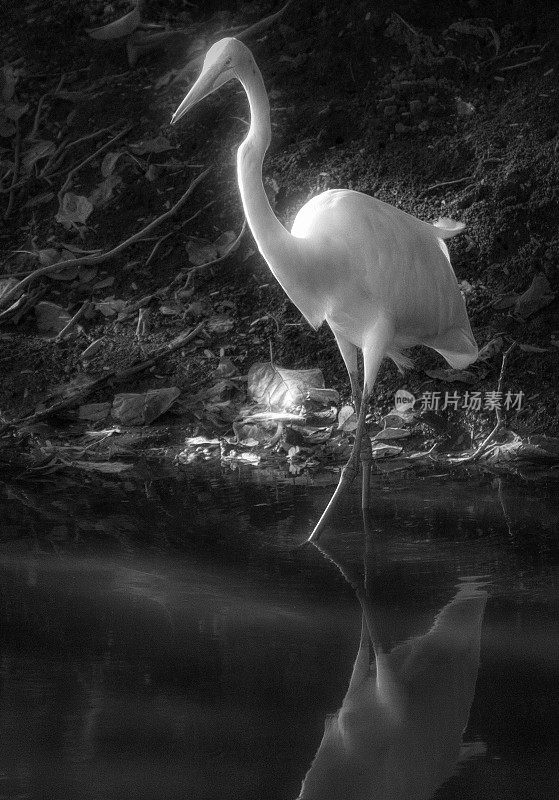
(113, 376)
(98, 258)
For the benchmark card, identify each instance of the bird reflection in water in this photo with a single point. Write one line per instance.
(398, 733)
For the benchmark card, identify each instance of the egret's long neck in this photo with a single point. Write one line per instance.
(272, 238)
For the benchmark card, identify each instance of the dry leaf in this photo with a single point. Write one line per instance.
(94, 412)
(490, 349)
(48, 256)
(13, 111)
(86, 274)
(452, 375)
(140, 409)
(276, 386)
(104, 283)
(219, 324)
(538, 295)
(204, 252)
(224, 242)
(504, 301)
(323, 396)
(110, 306)
(37, 151)
(74, 210)
(464, 109)
(109, 162)
(121, 27)
(69, 273)
(50, 317)
(8, 80)
(39, 200)
(104, 191)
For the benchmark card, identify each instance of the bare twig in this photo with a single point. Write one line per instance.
(514, 50)
(142, 324)
(79, 313)
(449, 183)
(17, 149)
(156, 247)
(65, 146)
(67, 183)
(406, 24)
(521, 64)
(98, 258)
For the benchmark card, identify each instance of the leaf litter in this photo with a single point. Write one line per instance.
(227, 390)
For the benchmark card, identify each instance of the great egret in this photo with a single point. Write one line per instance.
(379, 277)
(399, 730)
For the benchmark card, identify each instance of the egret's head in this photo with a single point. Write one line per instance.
(224, 60)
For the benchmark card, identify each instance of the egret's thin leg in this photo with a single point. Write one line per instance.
(348, 473)
(349, 354)
(374, 349)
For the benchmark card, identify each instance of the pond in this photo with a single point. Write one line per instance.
(167, 636)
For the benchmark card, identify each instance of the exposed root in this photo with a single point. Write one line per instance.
(498, 425)
(98, 258)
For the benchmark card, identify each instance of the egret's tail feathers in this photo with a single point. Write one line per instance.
(446, 227)
(457, 346)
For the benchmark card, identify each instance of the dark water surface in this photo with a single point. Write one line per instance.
(164, 637)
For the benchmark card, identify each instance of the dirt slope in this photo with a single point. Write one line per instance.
(440, 109)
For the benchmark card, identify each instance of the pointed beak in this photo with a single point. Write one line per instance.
(208, 81)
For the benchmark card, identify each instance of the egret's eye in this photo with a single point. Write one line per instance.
(228, 62)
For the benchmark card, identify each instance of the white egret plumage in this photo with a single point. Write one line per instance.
(379, 277)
